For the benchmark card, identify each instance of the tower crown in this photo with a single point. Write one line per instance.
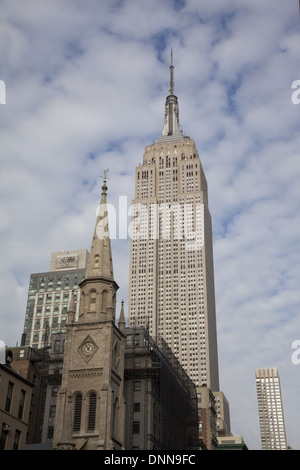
(171, 129)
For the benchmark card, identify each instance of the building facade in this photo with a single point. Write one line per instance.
(49, 297)
(31, 364)
(15, 400)
(171, 285)
(270, 409)
(231, 443)
(223, 414)
(207, 418)
(55, 359)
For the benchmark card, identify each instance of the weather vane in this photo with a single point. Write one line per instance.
(105, 172)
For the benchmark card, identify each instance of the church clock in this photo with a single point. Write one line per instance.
(88, 348)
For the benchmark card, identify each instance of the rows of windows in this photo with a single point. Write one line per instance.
(49, 282)
(4, 435)
(20, 400)
(168, 177)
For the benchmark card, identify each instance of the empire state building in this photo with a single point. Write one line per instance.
(171, 287)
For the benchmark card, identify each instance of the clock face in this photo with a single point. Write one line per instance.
(88, 348)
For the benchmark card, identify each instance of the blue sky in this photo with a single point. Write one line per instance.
(85, 89)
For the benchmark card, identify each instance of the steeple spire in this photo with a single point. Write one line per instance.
(100, 258)
(71, 311)
(171, 129)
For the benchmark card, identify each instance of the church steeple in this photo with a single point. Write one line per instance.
(90, 410)
(98, 289)
(100, 259)
(171, 129)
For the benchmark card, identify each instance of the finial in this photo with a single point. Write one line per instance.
(104, 186)
(71, 309)
(171, 89)
(122, 321)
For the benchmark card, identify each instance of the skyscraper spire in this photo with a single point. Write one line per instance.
(171, 89)
(171, 129)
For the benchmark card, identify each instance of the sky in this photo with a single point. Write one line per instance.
(85, 87)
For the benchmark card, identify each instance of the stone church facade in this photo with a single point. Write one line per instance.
(90, 403)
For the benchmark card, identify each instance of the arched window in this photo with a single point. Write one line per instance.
(77, 412)
(82, 301)
(116, 418)
(104, 300)
(93, 296)
(92, 411)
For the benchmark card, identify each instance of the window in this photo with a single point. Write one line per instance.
(52, 411)
(116, 418)
(135, 427)
(136, 407)
(93, 296)
(137, 385)
(92, 412)
(9, 396)
(136, 339)
(3, 437)
(21, 404)
(77, 412)
(128, 340)
(17, 440)
(50, 432)
(104, 300)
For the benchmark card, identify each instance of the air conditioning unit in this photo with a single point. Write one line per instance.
(5, 427)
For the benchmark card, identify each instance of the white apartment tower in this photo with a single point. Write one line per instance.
(49, 296)
(171, 287)
(270, 409)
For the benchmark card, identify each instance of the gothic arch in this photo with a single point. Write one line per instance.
(105, 297)
(115, 418)
(92, 300)
(97, 261)
(77, 411)
(82, 301)
(92, 410)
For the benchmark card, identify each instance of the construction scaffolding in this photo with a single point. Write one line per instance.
(161, 398)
